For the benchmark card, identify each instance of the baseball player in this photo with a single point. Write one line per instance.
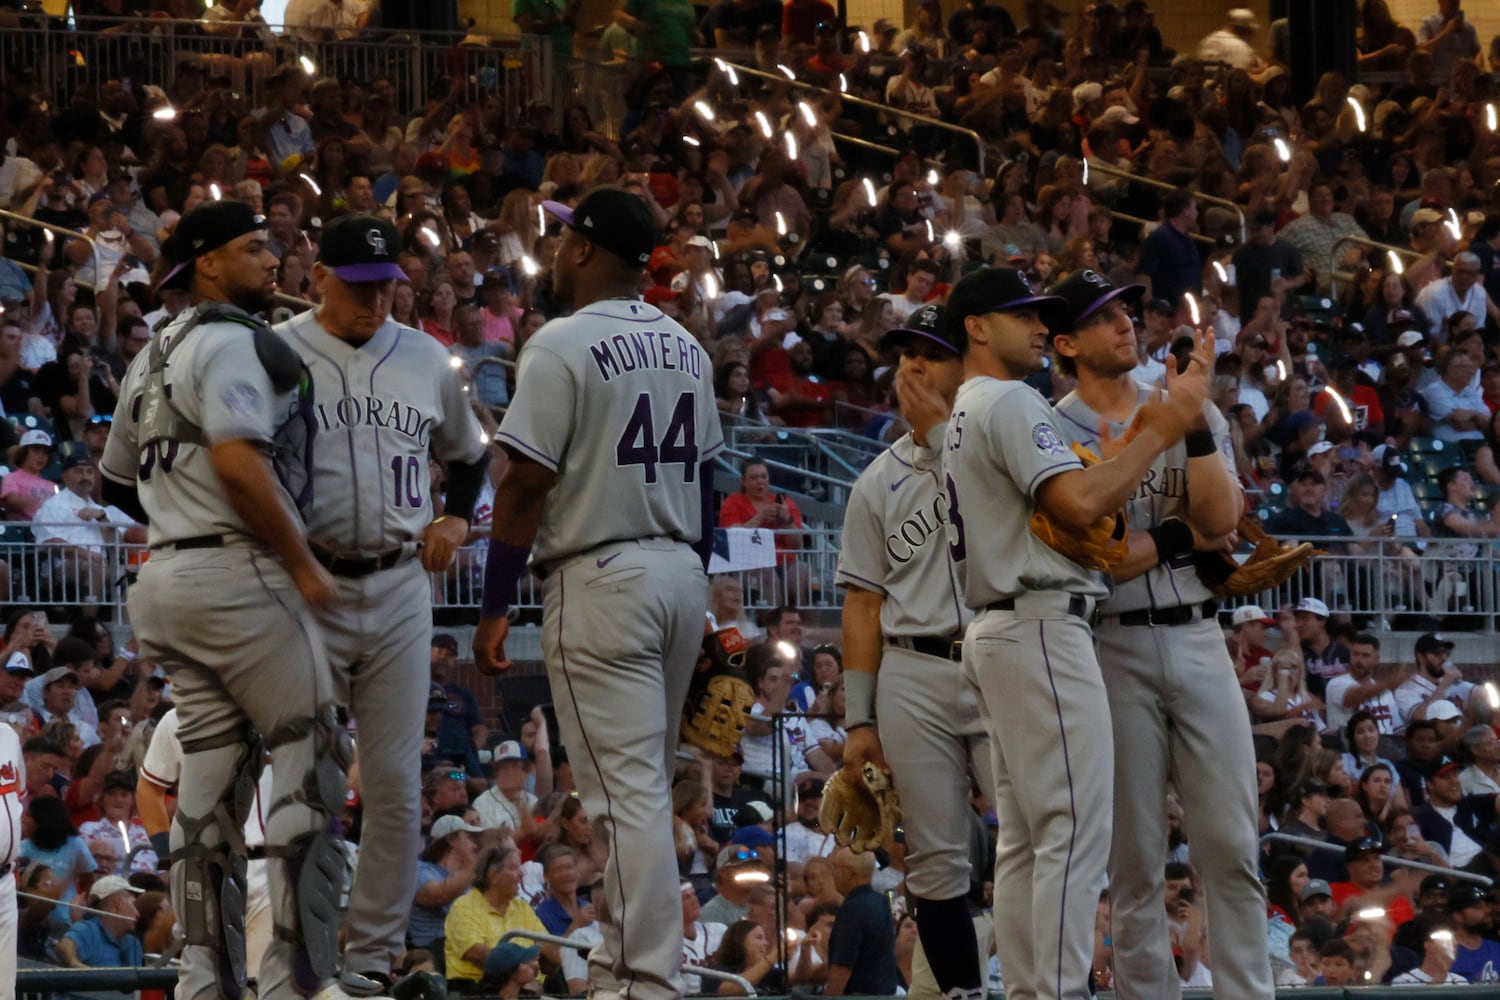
(903, 623)
(1029, 649)
(386, 396)
(1174, 700)
(223, 604)
(611, 436)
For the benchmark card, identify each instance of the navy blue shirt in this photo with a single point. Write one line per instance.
(864, 941)
(1479, 965)
(1172, 262)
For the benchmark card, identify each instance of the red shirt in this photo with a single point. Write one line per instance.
(1364, 406)
(1398, 911)
(739, 508)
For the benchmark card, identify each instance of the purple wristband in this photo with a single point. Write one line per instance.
(502, 571)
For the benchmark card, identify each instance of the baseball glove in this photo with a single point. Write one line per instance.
(1272, 563)
(861, 813)
(1102, 547)
(719, 698)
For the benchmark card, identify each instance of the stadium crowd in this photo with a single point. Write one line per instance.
(1343, 248)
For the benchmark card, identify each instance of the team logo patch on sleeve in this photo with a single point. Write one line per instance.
(1047, 440)
(242, 399)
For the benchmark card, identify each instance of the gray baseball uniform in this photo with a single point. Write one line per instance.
(617, 399)
(219, 612)
(1178, 716)
(381, 407)
(895, 545)
(1031, 656)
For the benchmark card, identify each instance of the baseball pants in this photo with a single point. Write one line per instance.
(9, 923)
(930, 730)
(1178, 716)
(1043, 700)
(232, 632)
(621, 631)
(379, 637)
(924, 984)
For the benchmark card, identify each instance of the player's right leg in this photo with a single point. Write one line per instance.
(611, 636)
(925, 712)
(1131, 660)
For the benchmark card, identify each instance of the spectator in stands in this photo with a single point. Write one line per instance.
(1308, 516)
(1359, 690)
(105, 941)
(745, 950)
(736, 870)
(757, 505)
(1448, 37)
(1314, 234)
(861, 949)
(569, 825)
(1482, 776)
(565, 909)
(1456, 822)
(444, 873)
(1477, 955)
(506, 805)
(80, 532)
(1461, 291)
(1169, 262)
(1268, 265)
(24, 490)
(479, 918)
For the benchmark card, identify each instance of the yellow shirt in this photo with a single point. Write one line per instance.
(472, 920)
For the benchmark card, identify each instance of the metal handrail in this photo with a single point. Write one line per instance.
(1095, 166)
(876, 105)
(580, 946)
(1406, 253)
(1138, 220)
(71, 234)
(1390, 859)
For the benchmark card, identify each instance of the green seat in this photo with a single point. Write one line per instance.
(1428, 446)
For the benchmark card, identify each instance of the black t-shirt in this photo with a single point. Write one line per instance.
(1253, 265)
(726, 807)
(741, 24)
(864, 942)
(16, 391)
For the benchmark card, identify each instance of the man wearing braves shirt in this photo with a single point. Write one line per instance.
(1433, 680)
(1478, 954)
(700, 938)
(1360, 690)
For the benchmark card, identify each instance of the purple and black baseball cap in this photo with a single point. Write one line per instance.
(614, 219)
(994, 289)
(926, 323)
(361, 248)
(1086, 292)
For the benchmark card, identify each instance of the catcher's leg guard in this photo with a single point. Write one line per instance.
(316, 861)
(208, 867)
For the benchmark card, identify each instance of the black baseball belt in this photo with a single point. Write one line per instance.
(355, 566)
(943, 647)
(1182, 614)
(1078, 605)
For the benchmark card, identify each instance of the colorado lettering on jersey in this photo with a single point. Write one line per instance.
(367, 411)
(926, 523)
(1173, 483)
(662, 350)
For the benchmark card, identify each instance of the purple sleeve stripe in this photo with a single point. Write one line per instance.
(539, 456)
(1048, 473)
(711, 452)
(843, 576)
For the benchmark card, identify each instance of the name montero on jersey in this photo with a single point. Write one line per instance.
(663, 350)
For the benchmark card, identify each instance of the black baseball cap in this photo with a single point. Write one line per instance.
(1432, 642)
(1085, 293)
(1464, 896)
(613, 218)
(361, 248)
(993, 289)
(204, 230)
(926, 322)
(1364, 845)
(1434, 883)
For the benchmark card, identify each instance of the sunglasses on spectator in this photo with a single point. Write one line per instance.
(456, 776)
(825, 647)
(101, 418)
(745, 854)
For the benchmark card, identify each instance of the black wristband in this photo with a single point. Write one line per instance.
(1173, 538)
(857, 725)
(1199, 443)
